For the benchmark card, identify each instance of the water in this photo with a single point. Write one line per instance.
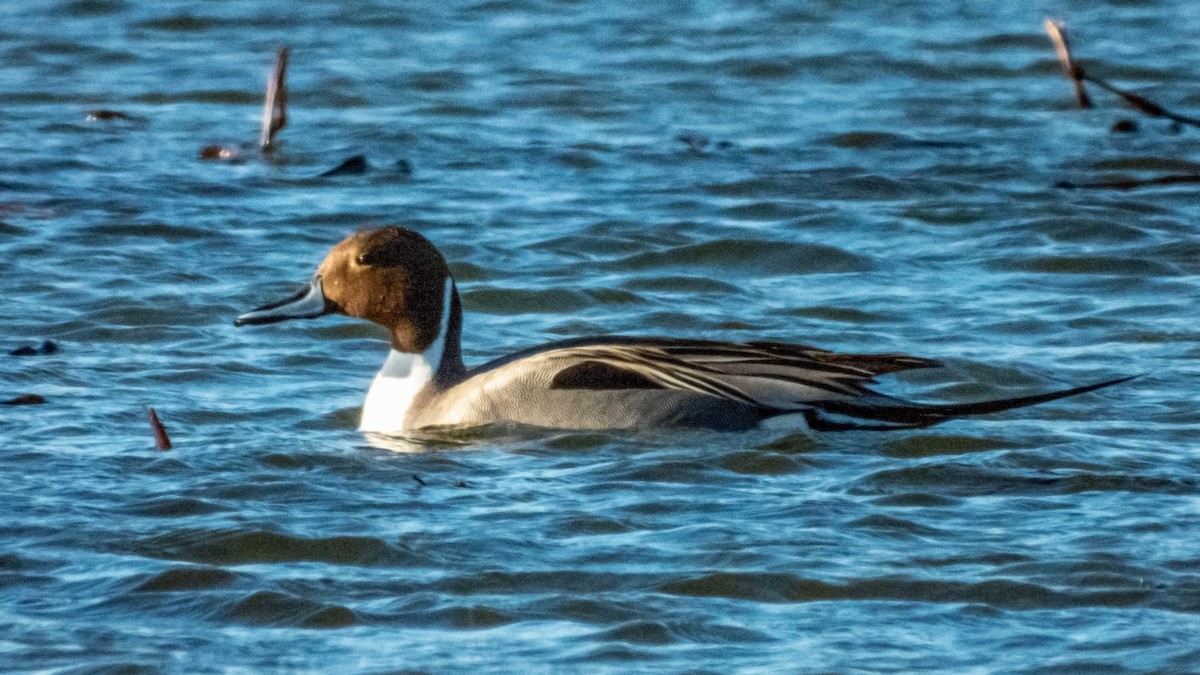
(874, 179)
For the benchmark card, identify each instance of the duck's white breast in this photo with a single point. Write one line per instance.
(393, 390)
(402, 377)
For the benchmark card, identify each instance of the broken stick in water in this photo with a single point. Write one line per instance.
(1143, 104)
(275, 105)
(161, 440)
(1078, 75)
(1070, 68)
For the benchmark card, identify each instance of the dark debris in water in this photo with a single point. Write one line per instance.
(25, 399)
(1078, 76)
(1124, 126)
(106, 115)
(421, 482)
(697, 142)
(274, 119)
(218, 152)
(353, 166)
(48, 347)
(358, 165)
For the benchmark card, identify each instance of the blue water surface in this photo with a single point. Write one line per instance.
(866, 177)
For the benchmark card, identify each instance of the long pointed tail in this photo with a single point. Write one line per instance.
(886, 413)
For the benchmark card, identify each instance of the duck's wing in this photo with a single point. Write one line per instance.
(830, 389)
(767, 375)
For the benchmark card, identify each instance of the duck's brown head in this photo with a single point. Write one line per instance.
(391, 276)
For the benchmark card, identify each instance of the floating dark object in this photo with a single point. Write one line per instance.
(419, 480)
(404, 166)
(699, 142)
(25, 399)
(218, 152)
(48, 347)
(354, 166)
(1131, 184)
(1123, 127)
(103, 115)
(694, 141)
(161, 440)
(275, 103)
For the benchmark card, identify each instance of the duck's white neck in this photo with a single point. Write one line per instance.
(402, 377)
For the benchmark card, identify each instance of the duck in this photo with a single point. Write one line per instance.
(396, 278)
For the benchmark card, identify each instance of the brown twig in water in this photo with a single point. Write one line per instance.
(1073, 70)
(1070, 68)
(161, 440)
(1131, 184)
(1141, 103)
(275, 105)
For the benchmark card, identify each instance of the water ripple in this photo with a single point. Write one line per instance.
(240, 547)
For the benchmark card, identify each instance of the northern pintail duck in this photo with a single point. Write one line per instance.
(396, 278)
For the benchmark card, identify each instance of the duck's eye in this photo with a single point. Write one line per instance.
(361, 259)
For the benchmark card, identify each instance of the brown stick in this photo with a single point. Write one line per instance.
(1141, 103)
(1075, 72)
(161, 440)
(1071, 69)
(275, 103)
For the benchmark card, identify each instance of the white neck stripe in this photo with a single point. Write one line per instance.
(437, 349)
(403, 376)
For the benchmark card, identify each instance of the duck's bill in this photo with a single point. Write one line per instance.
(308, 303)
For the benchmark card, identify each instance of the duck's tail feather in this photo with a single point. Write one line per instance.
(879, 412)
